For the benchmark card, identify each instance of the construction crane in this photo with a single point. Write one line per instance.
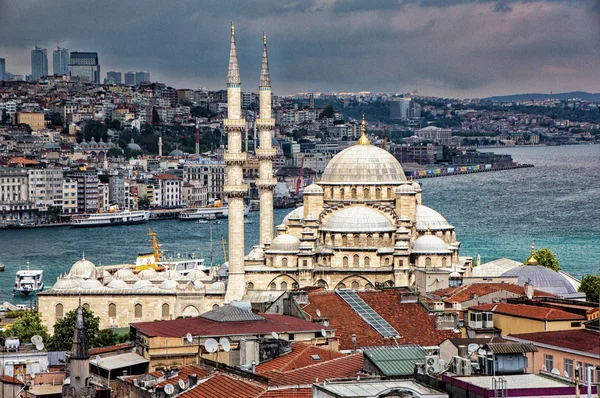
(300, 173)
(384, 134)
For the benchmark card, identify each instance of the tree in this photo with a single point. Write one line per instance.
(155, 116)
(28, 325)
(64, 330)
(107, 337)
(200, 111)
(114, 152)
(590, 285)
(545, 258)
(144, 202)
(328, 111)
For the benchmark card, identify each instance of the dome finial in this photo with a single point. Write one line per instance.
(428, 230)
(532, 260)
(363, 140)
(83, 255)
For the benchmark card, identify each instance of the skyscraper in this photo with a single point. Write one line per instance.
(2, 69)
(60, 61)
(39, 63)
(142, 77)
(130, 78)
(85, 67)
(116, 77)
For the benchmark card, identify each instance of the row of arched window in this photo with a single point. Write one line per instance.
(428, 262)
(367, 193)
(112, 310)
(356, 261)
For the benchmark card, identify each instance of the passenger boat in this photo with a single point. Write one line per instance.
(123, 217)
(29, 281)
(2, 267)
(217, 210)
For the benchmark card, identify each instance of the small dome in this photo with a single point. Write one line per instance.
(401, 245)
(171, 274)
(217, 287)
(358, 219)
(197, 274)
(142, 283)
(305, 245)
(416, 186)
(168, 284)
(256, 254)
(543, 279)
(455, 275)
(176, 152)
(134, 147)
(117, 284)
(285, 243)
(148, 274)
(405, 189)
(430, 244)
(124, 274)
(299, 212)
(313, 189)
(66, 284)
(198, 285)
(91, 284)
(83, 269)
(427, 218)
(363, 164)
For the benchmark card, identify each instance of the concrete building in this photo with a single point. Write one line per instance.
(87, 189)
(2, 68)
(170, 190)
(60, 61)
(35, 120)
(130, 78)
(45, 187)
(85, 67)
(207, 172)
(69, 196)
(142, 77)
(15, 204)
(115, 76)
(435, 134)
(400, 108)
(39, 63)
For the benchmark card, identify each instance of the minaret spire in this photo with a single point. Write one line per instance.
(265, 153)
(79, 349)
(233, 74)
(363, 140)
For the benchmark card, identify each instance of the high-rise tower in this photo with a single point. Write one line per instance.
(265, 153)
(39, 63)
(235, 190)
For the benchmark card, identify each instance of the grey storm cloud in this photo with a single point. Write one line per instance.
(455, 48)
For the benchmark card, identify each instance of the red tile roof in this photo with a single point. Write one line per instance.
(577, 339)
(165, 176)
(110, 348)
(411, 320)
(199, 326)
(529, 311)
(300, 357)
(348, 366)
(222, 385)
(288, 393)
(183, 374)
(10, 380)
(464, 293)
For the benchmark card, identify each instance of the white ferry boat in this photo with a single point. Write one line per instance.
(124, 217)
(217, 210)
(29, 281)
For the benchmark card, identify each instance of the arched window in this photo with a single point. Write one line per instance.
(112, 310)
(356, 260)
(428, 261)
(443, 261)
(86, 306)
(389, 193)
(355, 285)
(366, 193)
(59, 311)
(345, 241)
(165, 311)
(341, 193)
(284, 285)
(250, 286)
(367, 261)
(272, 286)
(215, 306)
(321, 283)
(271, 261)
(353, 193)
(284, 262)
(369, 286)
(295, 285)
(389, 283)
(378, 193)
(341, 285)
(369, 240)
(356, 240)
(386, 261)
(138, 310)
(345, 261)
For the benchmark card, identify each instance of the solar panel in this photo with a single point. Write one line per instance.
(367, 313)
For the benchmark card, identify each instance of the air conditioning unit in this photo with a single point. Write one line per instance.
(432, 365)
(466, 367)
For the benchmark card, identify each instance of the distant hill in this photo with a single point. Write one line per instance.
(538, 96)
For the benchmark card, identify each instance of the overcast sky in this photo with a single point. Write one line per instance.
(455, 48)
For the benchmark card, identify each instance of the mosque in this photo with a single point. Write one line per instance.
(362, 226)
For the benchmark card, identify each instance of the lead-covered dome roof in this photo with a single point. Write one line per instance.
(358, 219)
(285, 243)
(542, 278)
(430, 244)
(83, 269)
(363, 164)
(297, 213)
(427, 218)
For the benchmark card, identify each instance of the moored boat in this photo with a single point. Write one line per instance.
(124, 217)
(29, 281)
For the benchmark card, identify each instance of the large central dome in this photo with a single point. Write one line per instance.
(363, 164)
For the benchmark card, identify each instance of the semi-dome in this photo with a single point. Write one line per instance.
(358, 219)
(168, 284)
(313, 189)
(430, 244)
(297, 213)
(118, 284)
(363, 164)
(83, 268)
(285, 243)
(142, 283)
(256, 254)
(427, 218)
(124, 274)
(543, 279)
(91, 284)
(148, 274)
(405, 189)
(66, 284)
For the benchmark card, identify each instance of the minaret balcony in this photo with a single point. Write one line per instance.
(234, 124)
(235, 191)
(238, 159)
(266, 183)
(266, 154)
(265, 124)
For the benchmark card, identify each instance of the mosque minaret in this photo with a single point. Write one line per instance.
(265, 153)
(235, 190)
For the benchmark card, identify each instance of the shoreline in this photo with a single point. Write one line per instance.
(456, 173)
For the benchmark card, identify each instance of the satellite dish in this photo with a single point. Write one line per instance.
(98, 359)
(275, 335)
(556, 372)
(471, 348)
(326, 323)
(36, 339)
(211, 345)
(189, 337)
(323, 333)
(481, 352)
(225, 344)
(169, 389)
(39, 346)
(181, 384)
(318, 312)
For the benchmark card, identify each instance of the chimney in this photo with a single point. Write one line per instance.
(462, 351)
(528, 290)
(253, 366)
(192, 380)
